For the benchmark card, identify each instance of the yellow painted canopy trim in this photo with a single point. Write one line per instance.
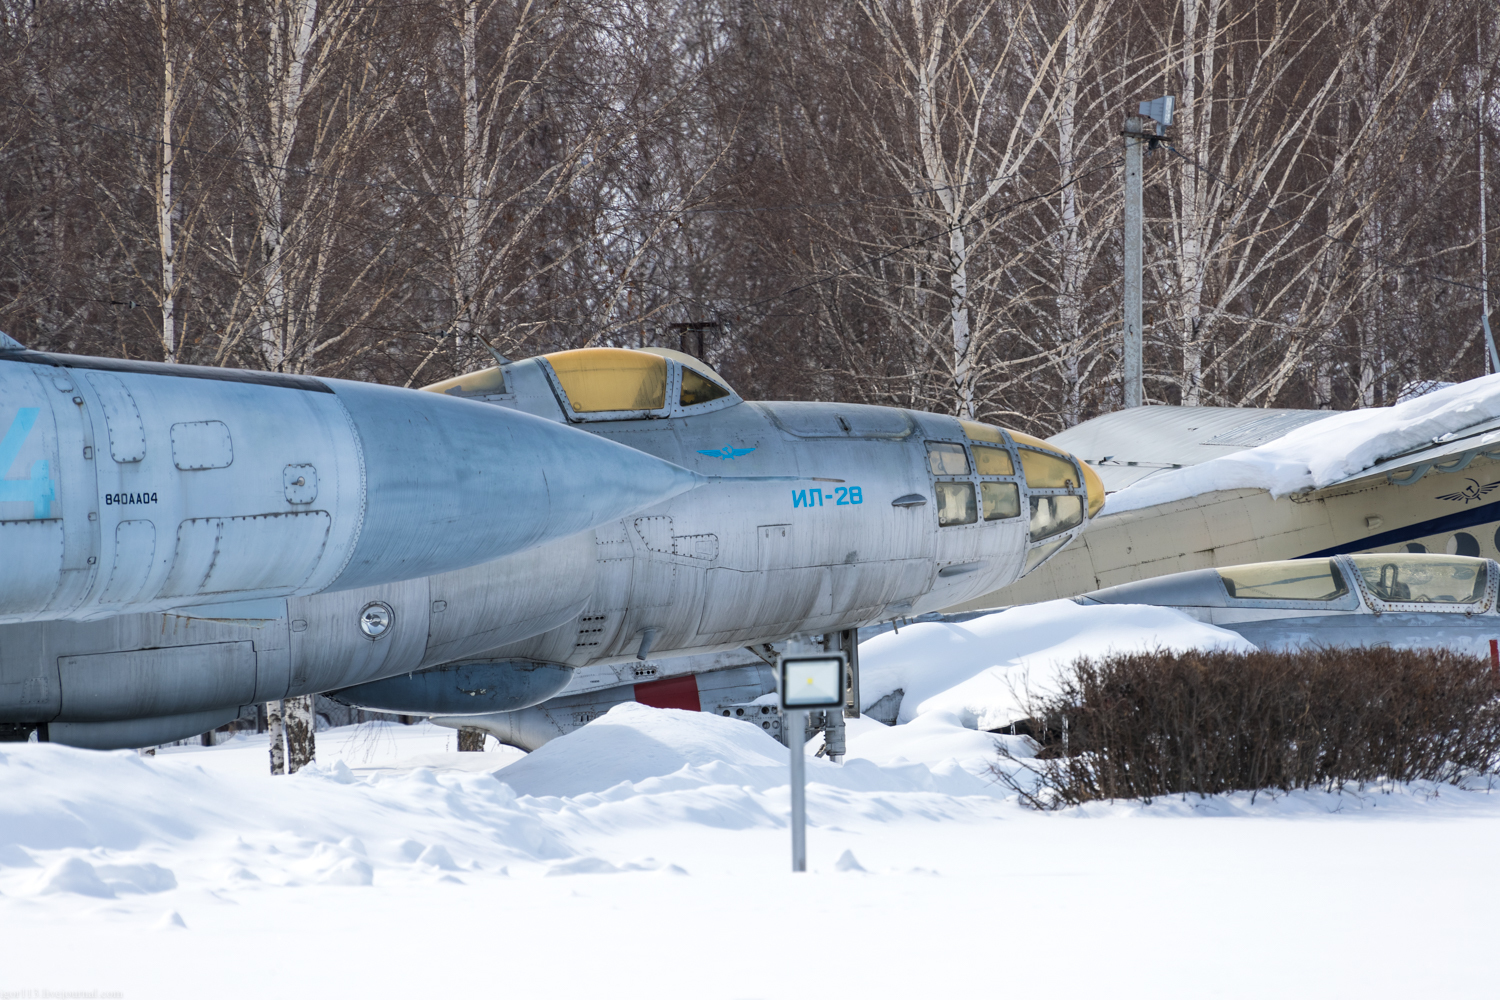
(982, 432)
(1095, 487)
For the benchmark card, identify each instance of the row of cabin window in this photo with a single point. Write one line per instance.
(1002, 501)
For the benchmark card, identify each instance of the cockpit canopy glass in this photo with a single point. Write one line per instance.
(1416, 578)
(602, 379)
(697, 389)
(700, 382)
(1287, 580)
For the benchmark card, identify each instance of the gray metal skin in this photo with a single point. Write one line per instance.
(146, 487)
(733, 563)
(1359, 618)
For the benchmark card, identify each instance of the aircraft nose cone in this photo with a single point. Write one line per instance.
(452, 483)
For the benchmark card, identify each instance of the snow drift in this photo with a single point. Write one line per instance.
(978, 671)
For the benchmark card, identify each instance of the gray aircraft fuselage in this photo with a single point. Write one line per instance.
(887, 518)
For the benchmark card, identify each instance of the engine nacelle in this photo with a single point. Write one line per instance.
(131, 487)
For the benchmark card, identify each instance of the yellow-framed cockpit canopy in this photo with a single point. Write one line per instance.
(612, 383)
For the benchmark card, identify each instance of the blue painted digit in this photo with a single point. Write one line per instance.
(843, 496)
(856, 495)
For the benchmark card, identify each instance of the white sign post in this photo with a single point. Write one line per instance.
(806, 682)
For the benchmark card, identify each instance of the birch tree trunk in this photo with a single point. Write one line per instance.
(276, 736)
(291, 30)
(301, 729)
(1195, 127)
(166, 205)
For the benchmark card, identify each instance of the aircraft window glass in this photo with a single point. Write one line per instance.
(1050, 515)
(993, 461)
(947, 459)
(600, 379)
(956, 504)
(1047, 470)
(1001, 500)
(697, 389)
(1423, 579)
(1288, 580)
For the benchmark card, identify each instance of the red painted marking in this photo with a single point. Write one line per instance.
(1495, 657)
(670, 692)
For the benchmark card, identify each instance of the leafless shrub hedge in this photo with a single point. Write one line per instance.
(1147, 724)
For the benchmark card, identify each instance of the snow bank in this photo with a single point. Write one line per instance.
(633, 742)
(978, 670)
(98, 825)
(1326, 451)
(634, 749)
(153, 877)
(939, 739)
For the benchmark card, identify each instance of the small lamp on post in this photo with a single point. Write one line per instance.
(807, 682)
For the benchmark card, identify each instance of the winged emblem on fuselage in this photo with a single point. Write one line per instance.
(728, 452)
(1471, 492)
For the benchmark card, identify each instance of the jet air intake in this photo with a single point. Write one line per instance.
(130, 486)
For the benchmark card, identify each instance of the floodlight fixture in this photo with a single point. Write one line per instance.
(812, 682)
(1159, 110)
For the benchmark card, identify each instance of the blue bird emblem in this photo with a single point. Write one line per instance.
(725, 452)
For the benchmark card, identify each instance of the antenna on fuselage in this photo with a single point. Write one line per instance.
(500, 359)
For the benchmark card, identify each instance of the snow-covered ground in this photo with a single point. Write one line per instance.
(647, 855)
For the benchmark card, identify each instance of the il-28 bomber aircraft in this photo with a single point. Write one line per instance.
(179, 542)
